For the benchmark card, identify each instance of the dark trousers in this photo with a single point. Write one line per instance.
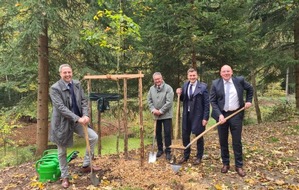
(167, 123)
(235, 126)
(186, 132)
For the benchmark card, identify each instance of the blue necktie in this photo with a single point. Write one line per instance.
(75, 108)
(190, 91)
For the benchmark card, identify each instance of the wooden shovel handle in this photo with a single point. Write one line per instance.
(177, 119)
(215, 125)
(87, 144)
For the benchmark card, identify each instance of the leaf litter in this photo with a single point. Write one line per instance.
(271, 161)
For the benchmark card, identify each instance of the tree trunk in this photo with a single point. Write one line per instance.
(43, 92)
(296, 55)
(255, 97)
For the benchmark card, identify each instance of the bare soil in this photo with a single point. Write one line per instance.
(271, 159)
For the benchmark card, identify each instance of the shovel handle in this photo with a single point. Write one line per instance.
(177, 119)
(87, 145)
(215, 125)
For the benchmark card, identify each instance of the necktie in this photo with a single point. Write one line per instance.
(190, 91)
(75, 108)
(227, 89)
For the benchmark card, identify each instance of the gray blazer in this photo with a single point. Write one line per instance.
(161, 99)
(63, 119)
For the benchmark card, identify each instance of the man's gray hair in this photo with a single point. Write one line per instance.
(157, 73)
(63, 65)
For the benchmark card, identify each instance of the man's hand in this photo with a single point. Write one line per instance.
(222, 119)
(179, 90)
(83, 120)
(156, 112)
(204, 122)
(248, 105)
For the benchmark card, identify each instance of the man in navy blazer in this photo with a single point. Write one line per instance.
(196, 110)
(226, 96)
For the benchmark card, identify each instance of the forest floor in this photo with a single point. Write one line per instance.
(271, 161)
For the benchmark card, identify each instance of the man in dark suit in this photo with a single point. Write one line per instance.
(226, 96)
(196, 110)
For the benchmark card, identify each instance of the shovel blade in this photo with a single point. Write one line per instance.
(176, 167)
(94, 180)
(152, 157)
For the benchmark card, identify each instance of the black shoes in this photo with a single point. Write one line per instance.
(197, 161)
(159, 153)
(168, 156)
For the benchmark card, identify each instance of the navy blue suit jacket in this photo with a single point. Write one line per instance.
(217, 94)
(199, 107)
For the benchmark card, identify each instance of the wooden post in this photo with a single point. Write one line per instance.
(125, 118)
(141, 120)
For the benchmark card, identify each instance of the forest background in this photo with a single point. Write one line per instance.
(258, 38)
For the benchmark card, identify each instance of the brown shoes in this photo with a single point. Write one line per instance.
(224, 168)
(88, 169)
(197, 161)
(183, 160)
(241, 172)
(65, 183)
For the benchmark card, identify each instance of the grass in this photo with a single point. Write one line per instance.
(18, 155)
(273, 139)
(108, 145)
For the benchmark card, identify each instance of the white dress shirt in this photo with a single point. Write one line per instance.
(233, 103)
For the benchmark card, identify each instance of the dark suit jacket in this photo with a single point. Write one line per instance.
(217, 94)
(199, 108)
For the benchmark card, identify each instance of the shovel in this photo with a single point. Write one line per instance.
(176, 167)
(94, 180)
(203, 133)
(152, 155)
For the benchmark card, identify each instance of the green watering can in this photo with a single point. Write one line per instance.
(48, 170)
(48, 166)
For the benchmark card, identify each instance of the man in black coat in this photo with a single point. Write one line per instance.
(226, 97)
(196, 110)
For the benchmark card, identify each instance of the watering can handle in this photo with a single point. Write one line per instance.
(42, 160)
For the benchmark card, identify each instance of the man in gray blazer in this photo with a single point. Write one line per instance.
(70, 114)
(226, 97)
(160, 101)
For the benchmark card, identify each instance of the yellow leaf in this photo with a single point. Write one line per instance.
(279, 182)
(218, 187)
